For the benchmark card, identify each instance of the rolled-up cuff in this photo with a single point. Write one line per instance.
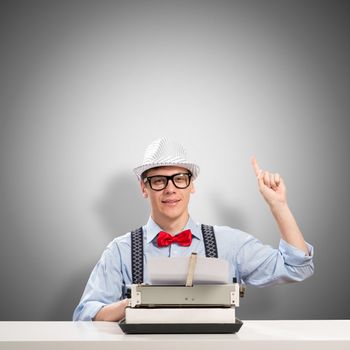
(295, 256)
(88, 311)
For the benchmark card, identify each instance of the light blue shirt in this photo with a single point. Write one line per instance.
(251, 262)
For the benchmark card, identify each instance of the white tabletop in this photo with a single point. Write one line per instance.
(319, 334)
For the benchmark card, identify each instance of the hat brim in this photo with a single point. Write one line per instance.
(193, 168)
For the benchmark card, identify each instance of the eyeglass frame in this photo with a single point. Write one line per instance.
(168, 177)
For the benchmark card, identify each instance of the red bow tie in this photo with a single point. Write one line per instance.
(183, 238)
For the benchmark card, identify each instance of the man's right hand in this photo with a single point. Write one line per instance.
(112, 312)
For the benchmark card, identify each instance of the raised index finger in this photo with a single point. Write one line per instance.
(255, 165)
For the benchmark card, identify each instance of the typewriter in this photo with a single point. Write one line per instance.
(188, 308)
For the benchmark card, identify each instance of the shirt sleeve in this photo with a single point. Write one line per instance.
(104, 285)
(261, 265)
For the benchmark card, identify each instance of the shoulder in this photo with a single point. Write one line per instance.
(230, 241)
(123, 241)
(228, 233)
(120, 247)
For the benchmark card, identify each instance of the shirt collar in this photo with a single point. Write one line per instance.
(152, 229)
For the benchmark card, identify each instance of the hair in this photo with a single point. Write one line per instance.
(144, 174)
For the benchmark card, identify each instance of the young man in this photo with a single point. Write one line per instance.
(166, 179)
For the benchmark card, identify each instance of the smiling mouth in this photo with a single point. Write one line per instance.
(171, 201)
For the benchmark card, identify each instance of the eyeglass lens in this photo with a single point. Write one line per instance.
(160, 182)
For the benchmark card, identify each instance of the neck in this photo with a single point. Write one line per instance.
(172, 226)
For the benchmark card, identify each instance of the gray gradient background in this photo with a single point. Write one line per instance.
(86, 85)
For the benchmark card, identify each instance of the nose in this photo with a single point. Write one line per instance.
(170, 188)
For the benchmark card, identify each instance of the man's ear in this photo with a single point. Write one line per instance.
(193, 189)
(143, 189)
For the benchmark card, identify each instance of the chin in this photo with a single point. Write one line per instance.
(172, 214)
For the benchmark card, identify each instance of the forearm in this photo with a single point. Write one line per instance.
(112, 312)
(288, 227)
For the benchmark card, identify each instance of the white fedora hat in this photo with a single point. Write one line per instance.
(164, 152)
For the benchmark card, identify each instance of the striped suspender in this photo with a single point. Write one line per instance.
(211, 250)
(137, 256)
(137, 250)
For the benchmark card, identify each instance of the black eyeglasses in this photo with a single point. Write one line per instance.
(159, 182)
